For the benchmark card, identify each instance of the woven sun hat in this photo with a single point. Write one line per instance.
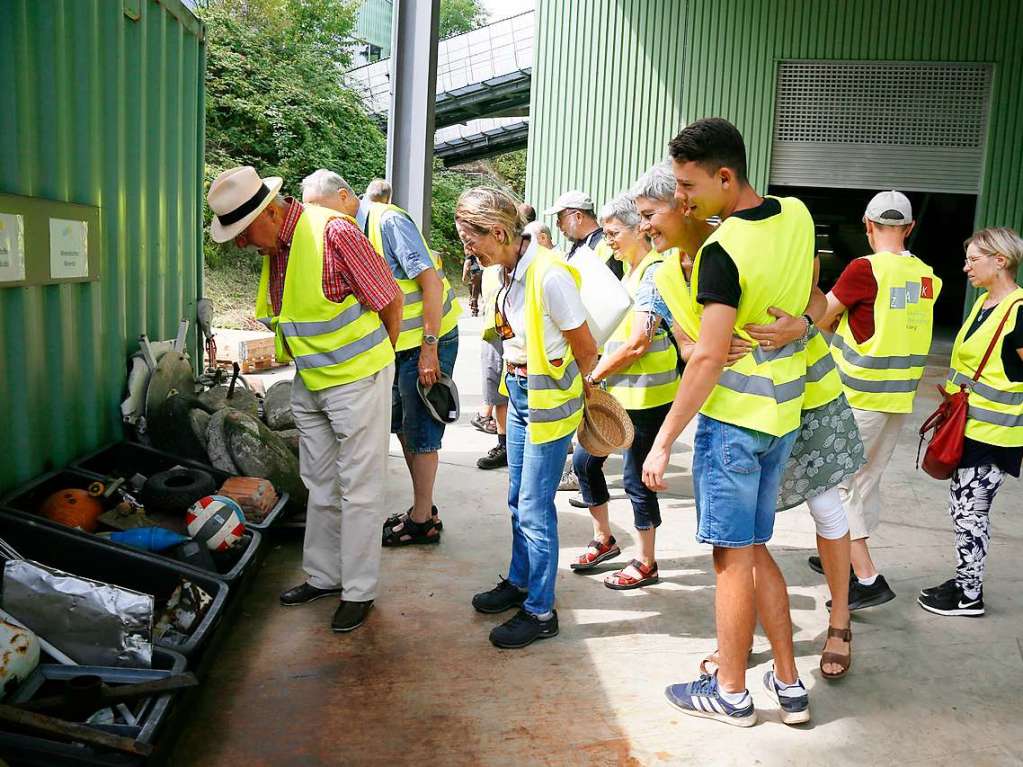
(606, 428)
(236, 197)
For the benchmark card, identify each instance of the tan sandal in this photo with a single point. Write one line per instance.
(843, 660)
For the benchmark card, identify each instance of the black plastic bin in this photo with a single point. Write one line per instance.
(231, 565)
(125, 459)
(35, 750)
(90, 557)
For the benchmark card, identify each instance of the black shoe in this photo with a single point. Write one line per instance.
(504, 596)
(523, 629)
(818, 567)
(495, 459)
(305, 593)
(578, 502)
(861, 597)
(950, 600)
(946, 586)
(395, 519)
(350, 615)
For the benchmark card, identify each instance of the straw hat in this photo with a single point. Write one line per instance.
(236, 197)
(606, 428)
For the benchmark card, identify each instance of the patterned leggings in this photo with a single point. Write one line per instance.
(970, 496)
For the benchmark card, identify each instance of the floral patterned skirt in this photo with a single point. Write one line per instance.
(827, 451)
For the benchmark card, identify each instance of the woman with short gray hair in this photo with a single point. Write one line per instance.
(993, 446)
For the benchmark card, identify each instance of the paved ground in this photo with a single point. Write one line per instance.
(420, 683)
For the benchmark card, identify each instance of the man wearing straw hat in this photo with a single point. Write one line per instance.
(335, 310)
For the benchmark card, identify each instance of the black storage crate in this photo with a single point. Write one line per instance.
(230, 565)
(91, 557)
(35, 750)
(125, 459)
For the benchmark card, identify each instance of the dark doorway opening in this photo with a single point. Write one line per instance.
(943, 222)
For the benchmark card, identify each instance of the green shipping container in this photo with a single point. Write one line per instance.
(101, 105)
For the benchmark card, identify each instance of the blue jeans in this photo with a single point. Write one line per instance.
(646, 512)
(534, 473)
(409, 417)
(736, 475)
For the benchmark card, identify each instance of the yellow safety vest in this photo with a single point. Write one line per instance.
(603, 251)
(555, 393)
(411, 334)
(764, 390)
(651, 380)
(493, 279)
(331, 343)
(995, 416)
(671, 283)
(883, 372)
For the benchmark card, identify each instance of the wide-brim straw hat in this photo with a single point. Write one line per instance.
(606, 428)
(236, 197)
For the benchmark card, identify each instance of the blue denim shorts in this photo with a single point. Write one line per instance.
(409, 417)
(736, 475)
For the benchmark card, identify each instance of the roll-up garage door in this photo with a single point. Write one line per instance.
(881, 124)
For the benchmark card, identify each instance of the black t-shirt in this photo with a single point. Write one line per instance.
(1008, 459)
(718, 281)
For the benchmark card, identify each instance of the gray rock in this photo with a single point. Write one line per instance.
(277, 407)
(200, 421)
(259, 452)
(242, 399)
(290, 436)
(216, 443)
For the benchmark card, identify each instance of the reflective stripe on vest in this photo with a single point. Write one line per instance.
(995, 415)
(411, 334)
(823, 384)
(555, 392)
(651, 380)
(331, 343)
(764, 390)
(884, 372)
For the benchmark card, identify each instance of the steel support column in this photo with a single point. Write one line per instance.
(413, 93)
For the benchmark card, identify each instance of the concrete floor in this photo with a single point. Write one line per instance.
(420, 683)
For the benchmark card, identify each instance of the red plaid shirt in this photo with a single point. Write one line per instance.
(350, 265)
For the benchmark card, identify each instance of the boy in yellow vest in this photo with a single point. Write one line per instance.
(761, 256)
(884, 306)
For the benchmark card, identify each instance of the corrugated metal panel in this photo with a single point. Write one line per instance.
(607, 94)
(102, 110)
(736, 44)
(880, 125)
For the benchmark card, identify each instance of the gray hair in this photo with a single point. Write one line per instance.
(533, 228)
(623, 209)
(379, 190)
(325, 183)
(658, 183)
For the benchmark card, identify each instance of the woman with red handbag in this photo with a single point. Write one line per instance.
(991, 344)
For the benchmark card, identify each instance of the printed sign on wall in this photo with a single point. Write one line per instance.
(69, 248)
(12, 247)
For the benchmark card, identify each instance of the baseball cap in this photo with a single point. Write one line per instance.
(440, 399)
(575, 199)
(891, 208)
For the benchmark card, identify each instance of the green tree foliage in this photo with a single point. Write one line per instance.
(460, 16)
(511, 167)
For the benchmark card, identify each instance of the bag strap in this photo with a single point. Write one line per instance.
(994, 340)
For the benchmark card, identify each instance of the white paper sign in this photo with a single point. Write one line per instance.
(69, 248)
(12, 247)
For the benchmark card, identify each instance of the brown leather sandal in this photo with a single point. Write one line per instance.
(843, 660)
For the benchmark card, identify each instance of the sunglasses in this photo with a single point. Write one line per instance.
(504, 330)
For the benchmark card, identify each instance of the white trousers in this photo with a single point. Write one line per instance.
(861, 493)
(343, 443)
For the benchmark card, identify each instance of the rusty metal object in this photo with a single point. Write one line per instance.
(63, 730)
(99, 695)
(19, 656)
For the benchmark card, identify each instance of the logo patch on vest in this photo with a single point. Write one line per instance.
(927, 288)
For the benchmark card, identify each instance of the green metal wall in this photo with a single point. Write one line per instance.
(613, 86)
(373, 24)
(99, 109)
(736, 44)
(607, 94)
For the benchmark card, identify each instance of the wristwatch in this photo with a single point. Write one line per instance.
(809, 328)
(429, 340)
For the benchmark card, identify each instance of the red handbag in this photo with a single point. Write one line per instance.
(948, 422)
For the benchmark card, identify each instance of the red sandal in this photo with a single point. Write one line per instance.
(620, 581)
(596, 552)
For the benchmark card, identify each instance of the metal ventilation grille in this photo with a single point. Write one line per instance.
(880, 124)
